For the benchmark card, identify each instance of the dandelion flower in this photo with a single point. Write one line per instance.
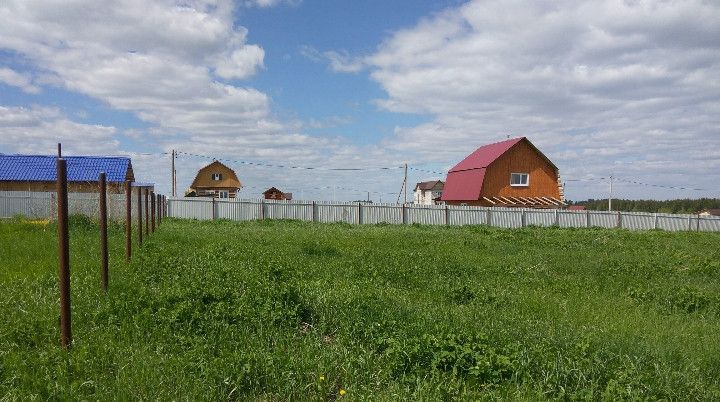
(322, 378)
(343, 392)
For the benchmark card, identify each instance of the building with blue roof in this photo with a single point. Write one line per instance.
(39, 172)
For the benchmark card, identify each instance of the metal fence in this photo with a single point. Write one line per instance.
(360, 213)
(43, 205)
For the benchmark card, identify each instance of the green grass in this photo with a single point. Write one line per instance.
(263, 310)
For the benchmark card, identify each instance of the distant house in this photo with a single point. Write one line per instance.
(428, 192)
(710, 212)
(576, 208)
(511, 173)
(274, 194)
(39, 173)
(216, 180)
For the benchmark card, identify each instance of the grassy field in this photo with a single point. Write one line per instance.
(297, 311)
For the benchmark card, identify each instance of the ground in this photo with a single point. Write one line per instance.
(299, 311)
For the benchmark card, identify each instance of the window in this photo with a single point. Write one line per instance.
(519, 179)
(223, 194)
(217, 176)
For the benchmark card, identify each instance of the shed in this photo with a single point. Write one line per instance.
(39, 172)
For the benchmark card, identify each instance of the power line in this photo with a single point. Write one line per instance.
(289, 166)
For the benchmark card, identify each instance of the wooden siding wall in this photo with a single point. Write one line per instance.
(205, 192)
(521, 158)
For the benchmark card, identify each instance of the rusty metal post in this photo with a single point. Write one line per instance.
(152, 211)
(147, 212)
(63, 254)
(139, 216)
(128, 220)
(165, 206)
(158, 201)
(103, 232)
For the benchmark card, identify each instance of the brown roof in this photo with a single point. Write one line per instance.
(203, 179)
(428, 185)
(576, 208)
(713, 211)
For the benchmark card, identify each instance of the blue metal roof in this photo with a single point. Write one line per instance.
(79, 168)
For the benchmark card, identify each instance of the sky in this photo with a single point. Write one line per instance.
(286, 92)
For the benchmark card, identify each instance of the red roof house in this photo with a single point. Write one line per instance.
(511, 173)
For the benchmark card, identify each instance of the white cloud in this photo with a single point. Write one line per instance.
(15, 79)
(270, 3)
(38, 130)
(630, 88)
(339, 62)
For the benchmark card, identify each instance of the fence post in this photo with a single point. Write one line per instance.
(359, 213)
(404, 215)
(557, 218)
(488, 218)
(689, 222)
(165, 206)
(587, 219)
(128, 220)
(213, 207)
(139, 215)
(158, 201)
(63, 254)
(103, 232)
(447, 215)
(262, 210)
(314, 218)
(152, 211)
(147, 212)
(655, 221)
(619, 220)
(697, 229)
(523, 218)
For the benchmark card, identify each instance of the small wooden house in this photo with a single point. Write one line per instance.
(274, 194)
(427, 192)
(216, 180)
(511, 173)
(39, 173)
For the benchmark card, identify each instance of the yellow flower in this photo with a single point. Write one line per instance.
(343, 392)
(322, 378)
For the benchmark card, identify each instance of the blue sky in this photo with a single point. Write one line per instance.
(629, 89)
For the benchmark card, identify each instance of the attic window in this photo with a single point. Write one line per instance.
(519, 179)
(217, 176)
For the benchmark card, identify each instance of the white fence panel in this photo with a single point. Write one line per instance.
(673, 223)
(426, 215)
(237, 210)
(190, 208)
(573, 219)
(603, 219)
(288, 210)
(464, 215)
(709, 224)
(541, 217)
(382, 213)
(638, 221)
(337, 212)
(506, 217)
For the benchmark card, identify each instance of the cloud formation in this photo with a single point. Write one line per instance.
(609, 87)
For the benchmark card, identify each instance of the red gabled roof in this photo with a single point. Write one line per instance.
(485, 155)
(463, 185)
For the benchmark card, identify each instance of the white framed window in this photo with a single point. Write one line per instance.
(223, 194)
(519, 179)
(217, 176)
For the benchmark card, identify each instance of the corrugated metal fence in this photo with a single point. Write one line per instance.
(241, 210)
(42, 205)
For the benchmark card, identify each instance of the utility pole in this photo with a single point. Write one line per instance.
(405, 183)
(174, 181)
(610, 198)
(368, 196)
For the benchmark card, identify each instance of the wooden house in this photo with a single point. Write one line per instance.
(428, 192)
(216, 180)
(38, 173)
(511, 173)
(274, 194)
